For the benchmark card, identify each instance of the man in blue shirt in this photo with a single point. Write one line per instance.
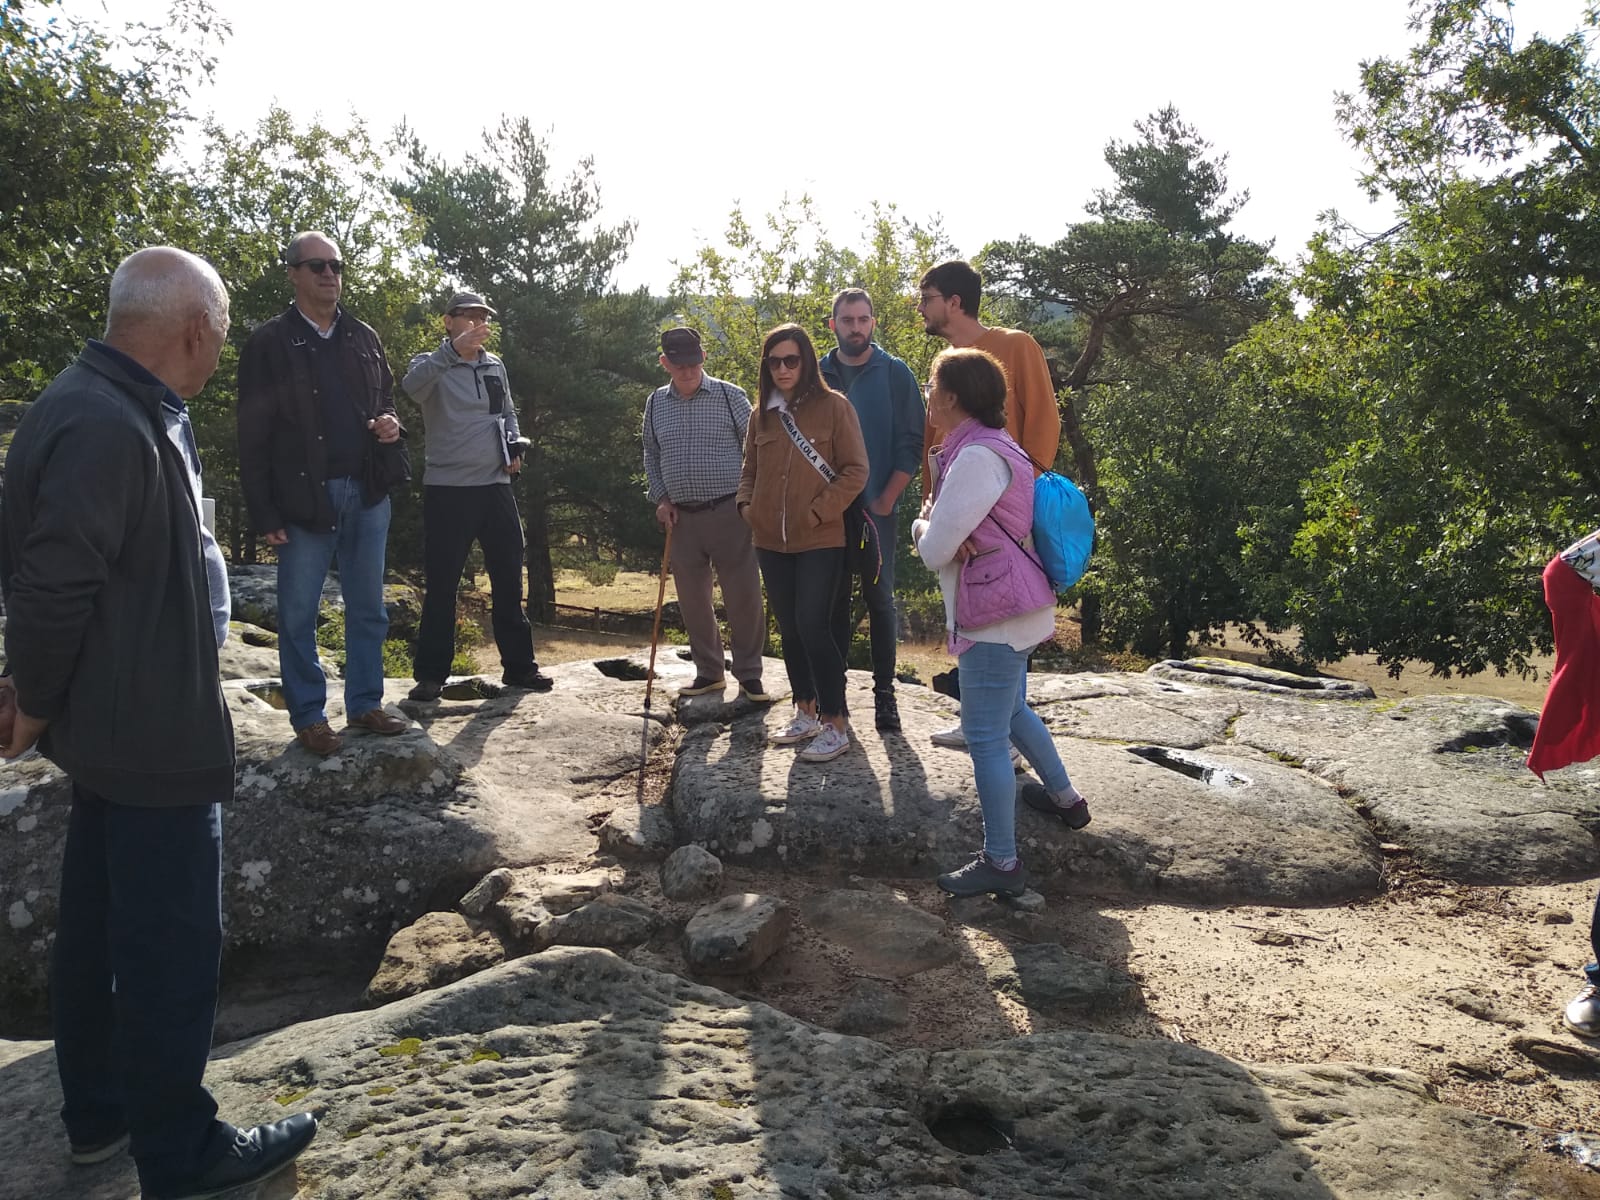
(888, 404)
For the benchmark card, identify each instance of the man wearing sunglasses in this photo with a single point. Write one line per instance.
(315, 399)
(474, 451)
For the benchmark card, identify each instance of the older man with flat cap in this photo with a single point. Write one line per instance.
(116, 602)
(693, 436)
(475, 449)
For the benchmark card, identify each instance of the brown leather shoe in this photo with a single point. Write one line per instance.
(378, 721)
(320, 739)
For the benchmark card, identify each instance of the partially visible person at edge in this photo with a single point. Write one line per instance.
(804, 462)
(888, 404)
(998, 606)
(693, 433)
(1569, 721)
(474, 452)
(314, 390)
(950, 293)
(116, 604)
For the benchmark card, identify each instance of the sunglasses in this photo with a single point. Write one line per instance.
(319, 265)
(789, 362)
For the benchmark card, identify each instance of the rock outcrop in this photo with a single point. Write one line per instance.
(573, 1073)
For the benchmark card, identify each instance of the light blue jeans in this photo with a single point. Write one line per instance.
(358, 541)
(995, 714)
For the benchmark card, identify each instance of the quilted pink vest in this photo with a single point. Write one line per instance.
(1001, 580)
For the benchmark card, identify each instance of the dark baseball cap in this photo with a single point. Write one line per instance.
(464, 300)
(682, 346)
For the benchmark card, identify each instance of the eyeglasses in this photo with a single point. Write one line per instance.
(927, 391)
(789, 362)
(319, 265)
(926, 298)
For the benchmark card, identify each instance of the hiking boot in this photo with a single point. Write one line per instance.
(703, 686)
(86, 1154)
(886, 713)
(320, 739)
(801, 729)
(753, 691)
(532, 679)
(1583, 1014)
(827, 745)
(980, 876)
(376, 720)
(426, 689)
(1041, 799)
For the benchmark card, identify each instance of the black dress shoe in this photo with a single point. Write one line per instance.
(256, 1154)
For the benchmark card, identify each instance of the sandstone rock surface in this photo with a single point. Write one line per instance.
(574, 1073)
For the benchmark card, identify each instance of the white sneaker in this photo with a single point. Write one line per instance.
(827, 745)
(802, 728)
(1583, 1014)
(954, 739)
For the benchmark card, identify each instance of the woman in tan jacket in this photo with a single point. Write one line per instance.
(804, 462)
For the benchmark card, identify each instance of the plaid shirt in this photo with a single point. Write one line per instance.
(694, 448)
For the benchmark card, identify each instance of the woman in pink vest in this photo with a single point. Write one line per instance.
(976, 532)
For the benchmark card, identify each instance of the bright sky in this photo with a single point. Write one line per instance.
(993, 116)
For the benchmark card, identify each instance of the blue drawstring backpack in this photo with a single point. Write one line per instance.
(1063, 528)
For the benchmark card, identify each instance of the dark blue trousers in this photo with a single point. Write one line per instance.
(134, 981)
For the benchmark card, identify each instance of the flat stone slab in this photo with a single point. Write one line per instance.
(885, 934)
(576, 1074)
(1443, 776)
(895, 805)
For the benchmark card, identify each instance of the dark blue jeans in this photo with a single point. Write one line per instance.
(1593, 969)
(879, 595)
(134, 981)
(801, 589)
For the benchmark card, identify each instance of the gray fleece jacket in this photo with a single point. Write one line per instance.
(467, 413)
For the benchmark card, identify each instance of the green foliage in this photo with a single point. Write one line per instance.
(1157, 288)
(85, 126)
(1462, 344)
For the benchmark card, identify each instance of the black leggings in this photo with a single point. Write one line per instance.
(800, 590)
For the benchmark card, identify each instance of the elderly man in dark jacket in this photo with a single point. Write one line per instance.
(112, 630)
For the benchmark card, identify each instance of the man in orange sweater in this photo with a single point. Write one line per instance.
(949, 309)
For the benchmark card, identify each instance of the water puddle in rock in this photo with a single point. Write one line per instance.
(1207, 773)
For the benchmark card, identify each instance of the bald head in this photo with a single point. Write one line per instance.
(168, 311)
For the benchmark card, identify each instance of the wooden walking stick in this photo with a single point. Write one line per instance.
(650, 675)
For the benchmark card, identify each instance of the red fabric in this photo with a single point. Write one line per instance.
(1569, 724)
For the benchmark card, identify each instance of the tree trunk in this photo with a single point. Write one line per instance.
(541, 572)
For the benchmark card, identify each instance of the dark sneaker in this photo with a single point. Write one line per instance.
(320, 739)
(426, 689)
(980, 877)
(886, 712)
(86, 1154)
(704, 687)
(753, 691)
(533, 679)
(256, 1154)
(1039, 799)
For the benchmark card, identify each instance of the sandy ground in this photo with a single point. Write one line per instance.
(1462, 985)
